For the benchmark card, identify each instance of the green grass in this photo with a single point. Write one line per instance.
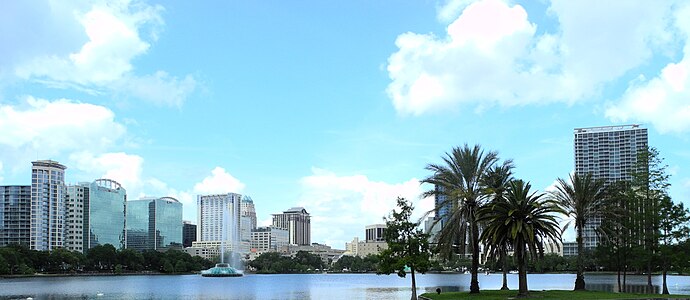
(495, 295)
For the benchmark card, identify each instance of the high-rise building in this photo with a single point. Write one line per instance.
(47, 205)
(218, 220)
(608, 153)
(269, 239)
(247, 223)
(374, 233)
(441, 206)
(15, 214)
(95, 215)
(188, 233)
(154, 223)
(298, 223)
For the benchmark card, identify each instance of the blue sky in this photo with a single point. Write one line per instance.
(336, 107)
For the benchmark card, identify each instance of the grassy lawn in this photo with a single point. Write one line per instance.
(490, 295)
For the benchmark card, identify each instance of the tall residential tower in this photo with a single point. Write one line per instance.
(47, 205)
(608, 153)
(15, 214)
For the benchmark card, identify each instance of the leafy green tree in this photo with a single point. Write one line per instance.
(674, 227)
(4, 266)
(408, 246)
(495, 183)
(458, 178)
(616, 229)
(131, 259)
(524, 221)
(102, 257)
(168, 267)
(650, 182)
(583, 197)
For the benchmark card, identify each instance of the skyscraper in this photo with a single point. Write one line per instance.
(188, 233)
(15, 214)
(442, 207)
(96, 214)
(247, 222)
(154, 223)
(608, 153)
(218, 220)
(47, 205)
(298, 223)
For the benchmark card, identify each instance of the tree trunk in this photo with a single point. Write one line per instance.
(414, 285)
(505, 271)
(625, 275)
(618, 268)
(580, 278)
(523, 291)
(650, 287)
(665, 287)
(474, 283)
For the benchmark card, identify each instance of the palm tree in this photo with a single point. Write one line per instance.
(495, 183)
(523, 220)
(582, 198)
(458, 178)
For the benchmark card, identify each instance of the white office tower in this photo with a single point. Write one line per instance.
(608, 153)
(247, 223)
(218, 220)
(47, 205)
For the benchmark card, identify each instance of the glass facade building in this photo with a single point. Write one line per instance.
(15, 214)
(154, 223)
(96, 215)
(47, 205)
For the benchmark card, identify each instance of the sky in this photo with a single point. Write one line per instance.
(336, 106)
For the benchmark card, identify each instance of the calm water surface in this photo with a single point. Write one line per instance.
(295, 286)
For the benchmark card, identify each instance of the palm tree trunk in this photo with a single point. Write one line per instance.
(523, 291)
(665, 287)
(650, 287)
(504, 258)
(580, 279)
(474, 283)
(414, 285)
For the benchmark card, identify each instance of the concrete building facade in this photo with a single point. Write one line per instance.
(218, 220)
(47, 205)
(298, 223)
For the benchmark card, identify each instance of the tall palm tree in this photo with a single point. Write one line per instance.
(582, 198)
(523, 220)
(495, 183)
(458, 178)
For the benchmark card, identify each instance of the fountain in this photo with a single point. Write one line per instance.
(223, 269)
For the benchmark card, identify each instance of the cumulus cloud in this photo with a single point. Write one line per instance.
(219, 182)
(119, 166)
(341, 206)
(47, 128)
(663, 100)
(115, 33)
(492, 54)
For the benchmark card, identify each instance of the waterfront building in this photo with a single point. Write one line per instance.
(298, 223)
(47, 205)
(15, 214)
(373, 243)
(95, 215)
(270, 238)
(608, 153)
(432, 227)
(247, 223)
(218, 220)
(188, 233)
(442, 207)
(154, 224)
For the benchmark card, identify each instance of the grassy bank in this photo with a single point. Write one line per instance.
(495, 295)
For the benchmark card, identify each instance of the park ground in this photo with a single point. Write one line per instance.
(547, 295)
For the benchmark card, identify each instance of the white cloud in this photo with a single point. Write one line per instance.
(47, 128)
(219, 182)
(664, 100)
(116, 33)
(119, 166)
(341, 206)
(492, 54)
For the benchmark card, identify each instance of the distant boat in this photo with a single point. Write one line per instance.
(513, 272)
(221, 270)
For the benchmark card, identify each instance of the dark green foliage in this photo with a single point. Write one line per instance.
(105, 258)
(275, 263)
(356, 264)
(408, 246)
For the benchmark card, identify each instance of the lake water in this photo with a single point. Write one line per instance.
(291, 286)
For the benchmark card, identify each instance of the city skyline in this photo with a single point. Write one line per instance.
(335, 107)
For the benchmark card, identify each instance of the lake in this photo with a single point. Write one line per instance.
(291, 286)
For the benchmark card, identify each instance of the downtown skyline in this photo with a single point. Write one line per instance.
(333, 107)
